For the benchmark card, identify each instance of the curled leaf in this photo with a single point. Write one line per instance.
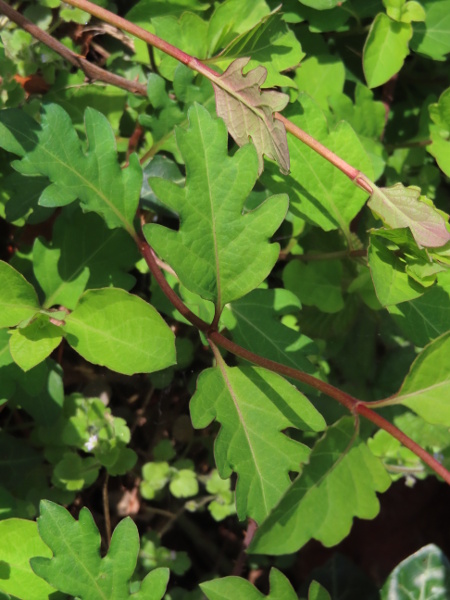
(248, 112)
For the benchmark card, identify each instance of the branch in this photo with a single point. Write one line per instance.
(91, 71)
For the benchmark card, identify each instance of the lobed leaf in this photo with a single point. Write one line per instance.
(229, 588)
(254, 406)
(338, 484)
(401, 207)
(120, 331)
(94, 177)
(218, 252)
(76, 567)
(248, 112)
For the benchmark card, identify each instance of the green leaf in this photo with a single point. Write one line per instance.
(440, 131)
(229, 588)
(321, 76)
(153, 586)
(432, 37)
(184, 484)
(317, 284)
(18, 299)
(32, 344)
(255, 323)
(248, 112)
(385, 49)
(270, 44)
(423, 575)
(73, 473)
(122, 332)
(427, 386)
(392, 283)
(83, 253)
(254, 406)
(318, 192)
(321, 4)
(218, 252)
(20, 541)
(76, 567)
(401, 207)
(317, 592)
(337, 484)
(54, 150)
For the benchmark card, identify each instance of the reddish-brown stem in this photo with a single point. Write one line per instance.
(92, 72)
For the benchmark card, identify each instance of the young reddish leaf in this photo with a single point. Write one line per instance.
(400, 207)
(248, 112)
(254, 407)
(338, 484)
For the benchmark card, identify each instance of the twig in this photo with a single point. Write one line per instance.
(106, 512)
(92, 72)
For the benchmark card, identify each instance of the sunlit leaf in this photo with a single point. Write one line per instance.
(18, 299)
(230, 588)
(254, 406)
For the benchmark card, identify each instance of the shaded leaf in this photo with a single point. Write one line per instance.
(248, 112)
(20, 541)
(338, 484)
(255, 323)
(18, 299)
(432, 37)
(425, 575)
(120, 331)
(76, 567)
(400, 207)
(254, 406)
(317, 592)
(229, 588)
(426, 388)
(385, 49)
(318, 284)
(440, 131)
(54, 149)
(218, 252)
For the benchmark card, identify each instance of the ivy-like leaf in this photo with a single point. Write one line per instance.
(401, 207)
(120, 331)
(229, 588)
(337, 484)
(77, 568)
(432, 37)
(254, 406)
(18, 298)
(32, 344)
(440, 131)
(423, 575)
(248, 112)
(426, 388)
(54, 150)
(218, 252)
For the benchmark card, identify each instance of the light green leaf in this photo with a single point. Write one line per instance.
(32, 344)
(254, 406)
(54, 150)
(321, 76)
(255, 323)
(18, 299)
(83, 253)
(318, 192)
(153, 586)
(318, 284)
(269, 44)
(248, 112)
(184, 484)
(426, 388)
(440, 131)
(230, 588)
(401, 207)
(392, 283)
(76, 567)
(321, 4)
(20, 541)
(432, 37)
(317, 592)
(338, 484)
(425, 575)
(208, 252)
(74, 473)
(412, 11)
(385, 49)
(122, 332)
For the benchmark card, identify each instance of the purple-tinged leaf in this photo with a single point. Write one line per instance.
(248, 112)
(400, 207)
